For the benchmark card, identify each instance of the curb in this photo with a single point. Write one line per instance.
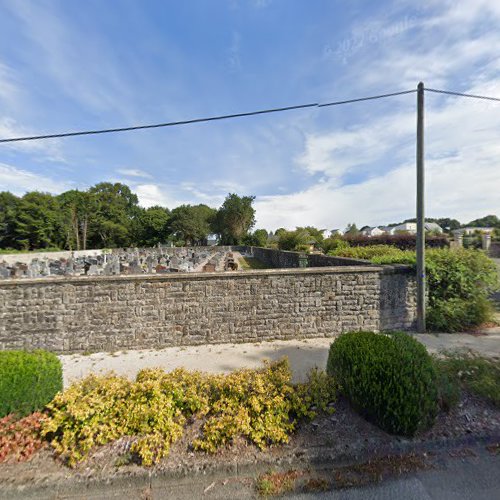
(132, 485)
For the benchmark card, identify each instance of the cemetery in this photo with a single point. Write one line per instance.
(118, 261)
(160, 297)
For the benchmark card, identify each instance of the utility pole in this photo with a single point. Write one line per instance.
(420, 212)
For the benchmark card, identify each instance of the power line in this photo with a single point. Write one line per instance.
(359, 99)
(202, 120)
(474, 96)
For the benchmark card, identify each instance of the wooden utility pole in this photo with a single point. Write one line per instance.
(420, 211)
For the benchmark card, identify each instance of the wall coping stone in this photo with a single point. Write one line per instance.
(385, 269)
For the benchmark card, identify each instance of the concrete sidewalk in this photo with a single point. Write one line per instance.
(223, 358)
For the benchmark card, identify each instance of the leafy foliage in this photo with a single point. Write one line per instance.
(368, 252)
(28, 381)
(235, 218)
(108, 215)
(459, 282)
(479, 375)
(152, 226)
(488, 221)
(391, 380)
(20, 439)
(334, 244)
(257, 239)
(402, 241)
(261, 405)
(192, 223)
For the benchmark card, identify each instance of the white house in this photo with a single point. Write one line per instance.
(411, 227)
(371, 231)
(432, 226)
(387, 229)
(406, 227)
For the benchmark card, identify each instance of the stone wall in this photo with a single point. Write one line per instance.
(494, 250)
(285, 259)
(108, 313)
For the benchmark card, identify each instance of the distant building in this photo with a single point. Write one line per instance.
(212, 240)
(405, 227)
(411, 228)
(432, 226)
(372, 231)
(336, 232)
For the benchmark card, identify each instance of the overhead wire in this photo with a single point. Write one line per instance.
(460, 94)
(200, 120)
(239, 115)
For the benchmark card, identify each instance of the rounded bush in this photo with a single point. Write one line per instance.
(389, 379)
(28, 381)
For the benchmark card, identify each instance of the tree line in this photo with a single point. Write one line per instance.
(108, 215)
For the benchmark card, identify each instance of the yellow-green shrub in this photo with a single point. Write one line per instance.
(260, 405)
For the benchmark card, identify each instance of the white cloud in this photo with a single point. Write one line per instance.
(134, 172)
(450, 48)
(19, 181)
(46, 149)
(154, 194)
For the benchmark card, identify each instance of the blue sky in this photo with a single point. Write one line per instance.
(72, 65)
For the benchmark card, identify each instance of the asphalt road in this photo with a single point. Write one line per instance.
(471, 478)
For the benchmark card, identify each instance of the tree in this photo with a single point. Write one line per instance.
(79, 212)
(192, 223)
(488, 221)
(294, 240)
(9, 208)
(315, 233)
(257, 239)
(117, 209)
(152, 226)
(39, 222)
(351, 230)
(235, 218)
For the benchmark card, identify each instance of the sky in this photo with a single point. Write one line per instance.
(71, 65)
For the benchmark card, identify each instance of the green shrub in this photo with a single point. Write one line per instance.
(370, 252)
(478, 375)
(333, 244)
(459, 283)
(448, 387)
(260, 405)
(391, 380)
(28, 381)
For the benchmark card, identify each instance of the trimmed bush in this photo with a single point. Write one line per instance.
(28, 381)
(401, 241)
(389, 379)
(370, 252)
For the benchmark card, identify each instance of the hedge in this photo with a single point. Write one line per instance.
(389, 379)
(401, 241)
(28, 381)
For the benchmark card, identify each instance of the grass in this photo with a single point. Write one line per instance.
(476, 374)
(247, 263)
(276, 483)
